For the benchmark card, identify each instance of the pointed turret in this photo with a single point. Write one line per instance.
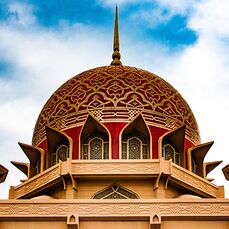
(116, 56)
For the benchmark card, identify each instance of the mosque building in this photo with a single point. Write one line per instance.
(115, 147)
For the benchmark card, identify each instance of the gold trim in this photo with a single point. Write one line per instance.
(119, 90)
(116, 56)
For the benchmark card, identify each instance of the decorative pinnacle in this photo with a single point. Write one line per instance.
(116, 56)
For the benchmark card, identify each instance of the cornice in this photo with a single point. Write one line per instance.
(169, 208)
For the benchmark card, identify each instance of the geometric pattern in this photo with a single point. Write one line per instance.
(115, 94)
(183, 209)
(115, 191)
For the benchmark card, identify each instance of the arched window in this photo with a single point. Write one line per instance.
(94, 140)
(136, 140)
(115, 191)
(169, 152)
(61, 153)
(135, 147)
(95, 147)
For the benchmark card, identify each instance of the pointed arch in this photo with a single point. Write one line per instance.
(95, 140)
(3, 173)
(23, 167)
(171, 145)
(209, 166)
(135, 140)
(195, 157)
(36, 158)
(115, 191)
(226, 172)
(60, 146)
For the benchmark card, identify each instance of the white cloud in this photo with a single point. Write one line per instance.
(21, 13)
(161, 11)
(199, 72)
(42, 60)
(211, 17)
(152, 17)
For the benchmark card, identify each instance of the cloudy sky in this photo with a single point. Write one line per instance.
(44, 43)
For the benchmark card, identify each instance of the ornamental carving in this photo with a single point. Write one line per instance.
(116, 93)
(115, 191)
(130, 208)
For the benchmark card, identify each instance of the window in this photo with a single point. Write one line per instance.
(115, 191)
(37, 167)
(194, 166)
(61, 153)
(135, 147)
(169, 152)
(94, 140)
(95, 148)
(135, 142)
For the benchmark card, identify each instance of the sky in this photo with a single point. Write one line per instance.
(44, 43)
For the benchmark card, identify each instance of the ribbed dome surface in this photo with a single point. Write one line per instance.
(116, 94)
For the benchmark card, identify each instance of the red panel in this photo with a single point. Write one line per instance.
(43, 145)
(115, 129)
(156, 132)
(74, 133)
(187, 145)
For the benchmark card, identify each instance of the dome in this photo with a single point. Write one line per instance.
(108, 125)
(115, 95)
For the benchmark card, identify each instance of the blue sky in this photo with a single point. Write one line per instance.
(44, 43)
(171, 29)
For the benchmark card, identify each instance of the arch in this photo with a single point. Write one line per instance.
(36, 158)
(22, 166)
(135, 140)
(173, 139)
(169, 152)
(156, 218)
(115, 191)
(55, 140)
(72, 219)
(3, 173)
(197, 154)
(61, 153)
(95, 140)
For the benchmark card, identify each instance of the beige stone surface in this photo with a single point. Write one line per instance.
(142, 187)
(62, 179)
(195, 224)
(111, 224)
(33, 224)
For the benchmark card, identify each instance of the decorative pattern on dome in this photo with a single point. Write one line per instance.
(116, 94)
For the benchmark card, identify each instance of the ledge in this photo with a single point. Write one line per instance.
(116, 168)
(169, 208)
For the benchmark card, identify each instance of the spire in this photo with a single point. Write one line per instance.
(116, 56)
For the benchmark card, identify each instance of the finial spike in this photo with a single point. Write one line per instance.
(116, 56)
